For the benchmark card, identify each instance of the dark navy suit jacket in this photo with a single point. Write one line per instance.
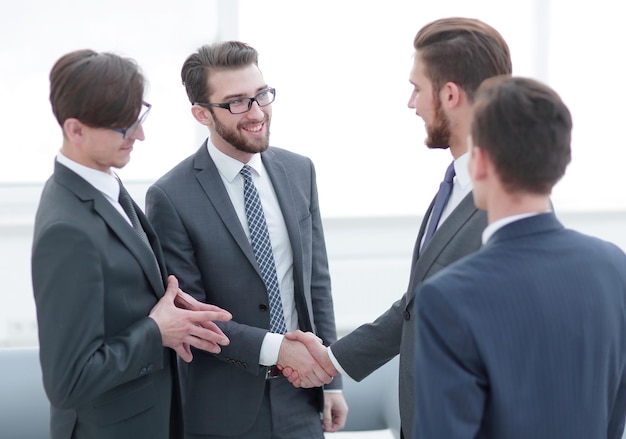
(524, 339)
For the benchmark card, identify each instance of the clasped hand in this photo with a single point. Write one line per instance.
(304, 360)
(185, 322)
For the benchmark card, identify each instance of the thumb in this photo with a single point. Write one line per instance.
(295, 335)
(172, 287)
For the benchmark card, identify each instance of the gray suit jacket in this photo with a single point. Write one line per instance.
(371, 345)
(105, 370)
(206, 248)
(524, 339)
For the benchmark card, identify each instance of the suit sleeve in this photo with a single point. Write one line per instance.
(180, 259)
(371, 345)
(79, 362)
(451, 385)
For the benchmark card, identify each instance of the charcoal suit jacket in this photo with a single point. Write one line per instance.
(105, 370)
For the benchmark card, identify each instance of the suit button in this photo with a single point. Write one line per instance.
(263, 307)
(407, 315)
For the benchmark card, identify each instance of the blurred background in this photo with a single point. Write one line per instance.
(341, 72)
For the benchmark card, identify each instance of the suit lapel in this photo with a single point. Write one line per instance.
(102, 207)
(209, 179)
(283, 188)
(444, 234)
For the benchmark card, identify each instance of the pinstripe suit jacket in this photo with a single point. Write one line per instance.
(524, 339)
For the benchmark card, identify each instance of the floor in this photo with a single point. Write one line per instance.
(378, 434)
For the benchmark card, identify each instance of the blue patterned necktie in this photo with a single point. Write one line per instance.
(441, 199)
(262, 248)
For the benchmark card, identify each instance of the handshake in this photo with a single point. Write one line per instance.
(304, 360)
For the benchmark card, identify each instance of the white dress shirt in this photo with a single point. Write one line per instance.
(229, 169)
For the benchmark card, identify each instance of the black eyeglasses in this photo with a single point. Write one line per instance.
(241, 105)
(128, 132)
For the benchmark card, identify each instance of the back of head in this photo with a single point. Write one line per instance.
(464, 51)
(99, 89)
(525, 128)
(226, 55)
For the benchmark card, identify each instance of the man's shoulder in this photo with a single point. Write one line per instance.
(274, 152)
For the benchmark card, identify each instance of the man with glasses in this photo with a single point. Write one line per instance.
(106, 309)
(240, 226)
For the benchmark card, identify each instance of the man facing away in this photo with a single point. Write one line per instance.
(241, 227)
(452, 57)
(106, 310)
(527, 337)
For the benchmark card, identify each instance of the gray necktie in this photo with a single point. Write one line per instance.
(127, 204)
(262, 248)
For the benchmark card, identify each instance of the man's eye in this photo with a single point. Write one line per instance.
(236, 102)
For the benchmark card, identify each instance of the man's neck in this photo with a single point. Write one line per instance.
(517, 204)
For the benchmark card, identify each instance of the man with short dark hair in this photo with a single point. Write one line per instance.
(452, 57)
(241, 227)
(107, 313)
(527, 337)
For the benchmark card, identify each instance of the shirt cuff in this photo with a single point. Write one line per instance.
(335, 362)
(270, 348)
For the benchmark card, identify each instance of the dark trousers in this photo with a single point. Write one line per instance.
(286, 413)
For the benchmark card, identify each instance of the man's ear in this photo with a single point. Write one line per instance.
(451, 95)
(74, 130)
(479, 159)
(202, 115)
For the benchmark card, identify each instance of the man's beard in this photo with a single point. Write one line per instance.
(242, 143)
(438, 134)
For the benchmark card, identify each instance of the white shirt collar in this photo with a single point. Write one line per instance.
(462, 171)
(492, 228)
(107, 183)
(229, 167)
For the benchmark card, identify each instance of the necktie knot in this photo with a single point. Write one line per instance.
(245, 172)
(450, 173)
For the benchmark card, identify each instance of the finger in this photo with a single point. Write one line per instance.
(211, 326)
(205, 345)
(185, 355)
(322, 376)
(192, 303)
(208, 316)
(327, 418)
(210, 336)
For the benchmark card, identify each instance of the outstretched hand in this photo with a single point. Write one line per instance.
(182, 328)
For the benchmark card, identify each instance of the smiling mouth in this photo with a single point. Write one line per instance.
(254, 129)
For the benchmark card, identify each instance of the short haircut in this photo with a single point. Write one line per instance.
(226, 55)
(525, 128)
(464, 51)
(99, 89)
